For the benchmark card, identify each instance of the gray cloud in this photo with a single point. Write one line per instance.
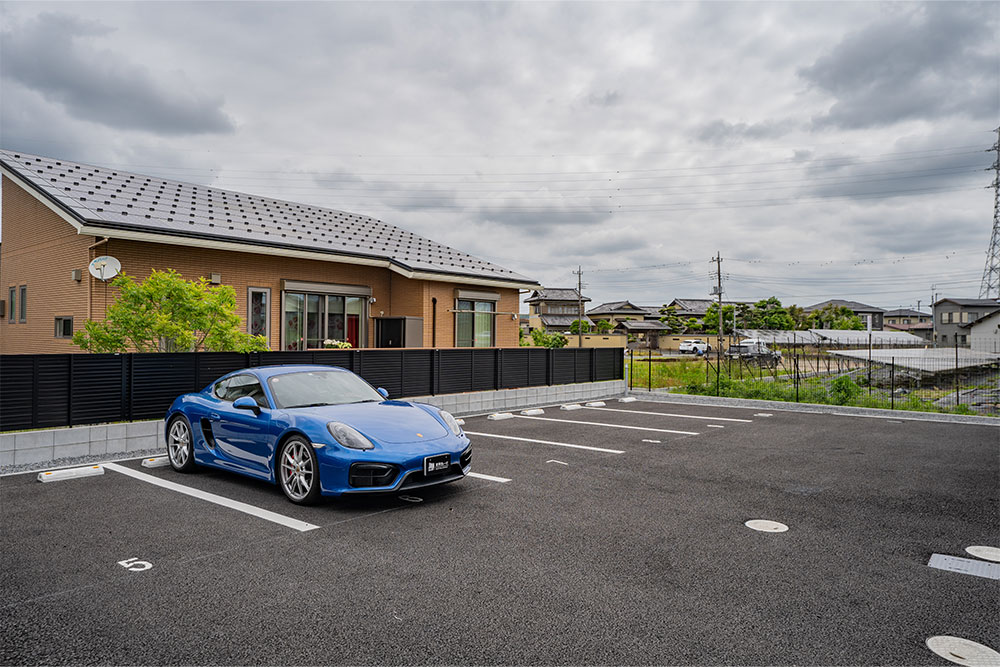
(934, 60)
(52, 55)
(720, 132)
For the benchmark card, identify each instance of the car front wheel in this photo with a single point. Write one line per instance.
(180, 445)
(298, 471)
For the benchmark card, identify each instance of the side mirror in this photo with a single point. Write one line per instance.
(382, 392)
(246, 403)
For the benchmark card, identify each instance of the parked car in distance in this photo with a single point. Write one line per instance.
(754, 350)
(315, 430)
(694, 345)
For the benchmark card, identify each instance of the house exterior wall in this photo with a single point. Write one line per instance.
(949, 318)
(984, 336)
(40, 250)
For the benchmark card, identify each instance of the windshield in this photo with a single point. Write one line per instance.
(312, 388)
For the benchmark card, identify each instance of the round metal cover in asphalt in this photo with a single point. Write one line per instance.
(963, 651)
(986, 553)
(766, 526)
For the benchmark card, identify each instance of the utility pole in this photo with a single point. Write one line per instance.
(933, 319)
(718, 290)
(579, 305)
(990, 287)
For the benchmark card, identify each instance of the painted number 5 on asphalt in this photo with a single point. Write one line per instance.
(135, 565)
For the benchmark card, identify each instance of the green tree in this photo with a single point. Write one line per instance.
(604, 326)
(832, 316)
(672, 320)
(542, 338)
(770, 314)
(711, 319)
(166, 309)
(579, 327)
(800, 318)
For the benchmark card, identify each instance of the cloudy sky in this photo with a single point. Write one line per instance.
(825, 150)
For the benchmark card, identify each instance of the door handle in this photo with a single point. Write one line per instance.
(214, 415)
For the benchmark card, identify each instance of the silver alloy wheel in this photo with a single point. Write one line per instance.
(179, 443)
(296, 470)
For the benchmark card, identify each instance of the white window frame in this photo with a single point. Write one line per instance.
(267, 326)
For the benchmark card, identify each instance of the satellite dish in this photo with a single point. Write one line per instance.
(104, 267)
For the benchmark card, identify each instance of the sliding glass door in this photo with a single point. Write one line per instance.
(310, 319)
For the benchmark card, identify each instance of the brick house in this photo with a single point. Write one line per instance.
(301, 273)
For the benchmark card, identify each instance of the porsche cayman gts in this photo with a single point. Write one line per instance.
(315, 430)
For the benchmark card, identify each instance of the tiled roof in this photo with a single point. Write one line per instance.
(853, 305)
(562, 320)
(692, 306)
(971, 302)
(555, 294)
(616, 307)
(643, 325)
(116, 200)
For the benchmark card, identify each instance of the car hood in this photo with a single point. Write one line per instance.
(388, 422)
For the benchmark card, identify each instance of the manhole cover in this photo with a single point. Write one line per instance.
(411, 499)
(766, 526)
(986, 553)
(963, 651)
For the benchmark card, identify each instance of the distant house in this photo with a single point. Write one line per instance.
(952, 317)
(906, 316)
(867, 313)
(618, 311)
(644, 333)
(984, 333)
(911, 321)
(688, 308)
(555, 309)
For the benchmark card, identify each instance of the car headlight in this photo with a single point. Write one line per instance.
(349, 437)
(450, 421)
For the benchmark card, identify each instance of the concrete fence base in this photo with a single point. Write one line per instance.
(32, 450)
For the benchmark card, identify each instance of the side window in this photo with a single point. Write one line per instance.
(221, 388)
(245, 385)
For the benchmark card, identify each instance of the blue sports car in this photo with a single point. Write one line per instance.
(315, 430)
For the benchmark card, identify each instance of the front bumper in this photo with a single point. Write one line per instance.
(371, 477)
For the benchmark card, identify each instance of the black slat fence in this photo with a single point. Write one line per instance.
(52, 390)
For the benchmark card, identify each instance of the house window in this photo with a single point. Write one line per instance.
(961, 339)
(946, 318)
(475, 322)
(64, 327)
(12, 299)
(22, 312)
(309, 319)
(259, 312)
(906, 321)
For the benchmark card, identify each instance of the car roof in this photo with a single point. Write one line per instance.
(265, 372)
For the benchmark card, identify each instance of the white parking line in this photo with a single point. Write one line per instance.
(547, 442)
(274, 517)
(491, 478)
(670, 414)
(634, 428)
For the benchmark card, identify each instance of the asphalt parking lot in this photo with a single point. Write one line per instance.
(618, 537)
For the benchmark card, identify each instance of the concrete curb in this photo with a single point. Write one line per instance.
(814, 408)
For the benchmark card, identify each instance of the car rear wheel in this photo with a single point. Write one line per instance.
(298, 471)
(180, 445)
